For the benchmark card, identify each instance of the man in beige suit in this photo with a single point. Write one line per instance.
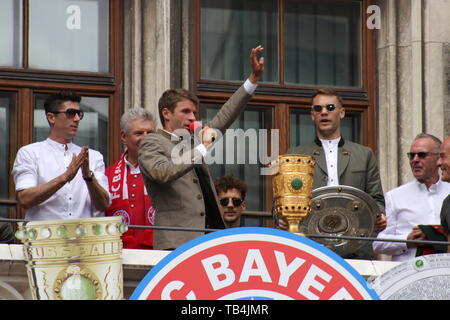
(181, 189)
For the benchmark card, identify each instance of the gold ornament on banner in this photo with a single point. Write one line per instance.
(292, 189)
(74, 259)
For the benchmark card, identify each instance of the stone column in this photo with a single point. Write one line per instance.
(155, 51)
(413, 80)
(437, 67)
(132, 53)
(387, 95)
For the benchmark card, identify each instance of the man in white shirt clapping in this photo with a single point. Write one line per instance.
(56, 179)
(415, 203)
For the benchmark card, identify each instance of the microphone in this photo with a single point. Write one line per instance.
(194, 125)
(210, 133)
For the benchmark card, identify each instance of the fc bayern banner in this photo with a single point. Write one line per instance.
(253, 263)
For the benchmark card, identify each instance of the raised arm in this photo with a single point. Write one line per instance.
(237, 102)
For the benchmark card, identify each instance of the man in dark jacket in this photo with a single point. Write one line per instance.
(339, 161)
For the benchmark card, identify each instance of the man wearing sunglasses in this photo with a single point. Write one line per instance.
(55, 178)
(231, 192)
(417, 203)
(339, 161)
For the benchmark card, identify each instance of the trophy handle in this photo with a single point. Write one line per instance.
(294, 223)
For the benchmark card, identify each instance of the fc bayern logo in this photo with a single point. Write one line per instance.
(253, 263)
(151, 215)
(126, 219)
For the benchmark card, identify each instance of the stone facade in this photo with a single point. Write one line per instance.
(156, 50)
(14, 284)
(413, 80)
(413, 69)
(447, 91)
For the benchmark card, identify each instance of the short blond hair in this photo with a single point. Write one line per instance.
(327, 92)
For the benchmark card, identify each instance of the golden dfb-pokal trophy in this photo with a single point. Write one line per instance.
(74, 259)
(292, 189)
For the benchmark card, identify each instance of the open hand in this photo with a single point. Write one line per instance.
(78, 161)
(380, 223)
(415, 234)
(207, 136)
(257, 65)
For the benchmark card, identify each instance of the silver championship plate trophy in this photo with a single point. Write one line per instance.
(341, 211)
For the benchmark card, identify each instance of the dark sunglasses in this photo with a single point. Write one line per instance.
(318, 108)
(236, 202)
(421, 155)
(70, 113)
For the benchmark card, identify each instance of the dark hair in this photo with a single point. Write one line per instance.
(171, 97)
(229, 181)
(327, 92)
(56, 100)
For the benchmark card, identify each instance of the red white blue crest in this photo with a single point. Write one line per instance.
(151, 215)
(253, 263)
(125, 216)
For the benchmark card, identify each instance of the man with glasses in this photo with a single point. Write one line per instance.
(416, 203)
(339, 161)
(55, 178)
(231, 192)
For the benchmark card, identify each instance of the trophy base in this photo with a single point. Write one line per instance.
(300, 234)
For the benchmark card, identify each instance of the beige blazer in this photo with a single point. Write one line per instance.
(174, 188)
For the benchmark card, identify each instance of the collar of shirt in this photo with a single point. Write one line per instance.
(434, 188)
(133, 169)
(59, 146)
(330, 144)
(172, 134)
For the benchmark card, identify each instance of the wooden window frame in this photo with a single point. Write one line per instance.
(284, 97)
(27, 82)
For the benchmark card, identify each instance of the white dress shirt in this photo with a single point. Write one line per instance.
(407, 206)
(330, 148)
(40, 162)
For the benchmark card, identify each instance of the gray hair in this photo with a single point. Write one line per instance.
(437, 141)
(136, 113)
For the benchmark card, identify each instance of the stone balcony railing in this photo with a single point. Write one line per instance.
(136, 263)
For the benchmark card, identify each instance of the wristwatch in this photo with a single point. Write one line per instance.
(89, 177)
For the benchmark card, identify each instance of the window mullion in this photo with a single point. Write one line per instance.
(281, 28)
(25, 31)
